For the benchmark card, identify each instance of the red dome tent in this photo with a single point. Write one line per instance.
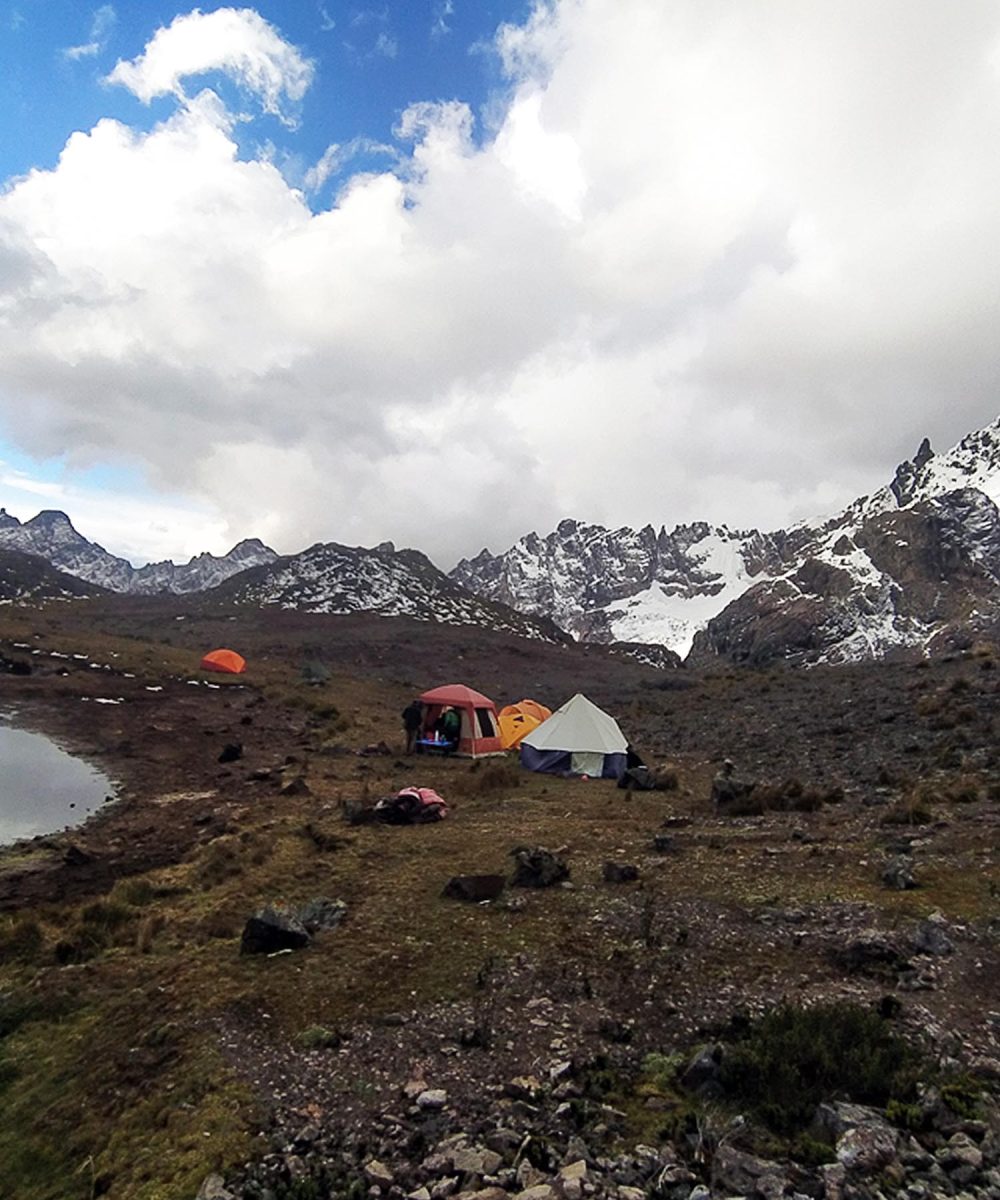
(479, 734)
(227, 661)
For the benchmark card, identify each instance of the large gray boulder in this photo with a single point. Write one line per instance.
(270, 930)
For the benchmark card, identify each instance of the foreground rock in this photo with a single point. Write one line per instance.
(534, 866)
(270, 930)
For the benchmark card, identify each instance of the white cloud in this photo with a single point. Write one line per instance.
(101, 24)
(128, 524)
(715, 261)
(236, 41)
(443, 9)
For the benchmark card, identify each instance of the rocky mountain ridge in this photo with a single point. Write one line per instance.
(908, 568)
(330, 578)
(51, 536)
(912, 568)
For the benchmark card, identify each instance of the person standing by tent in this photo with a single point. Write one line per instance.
(413, 719)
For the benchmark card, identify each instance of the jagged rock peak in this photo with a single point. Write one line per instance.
(907, 473)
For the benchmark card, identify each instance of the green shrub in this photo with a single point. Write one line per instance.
(792, 1059)
(318, 1037)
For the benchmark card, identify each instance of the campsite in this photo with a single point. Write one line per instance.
(415, 1021)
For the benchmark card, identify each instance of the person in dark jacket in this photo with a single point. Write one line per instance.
(413, 718)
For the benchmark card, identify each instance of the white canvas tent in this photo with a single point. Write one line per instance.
(578, 739)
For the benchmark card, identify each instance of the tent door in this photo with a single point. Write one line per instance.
(484, 719)
(585, 763)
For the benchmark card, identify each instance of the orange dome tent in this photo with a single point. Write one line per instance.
(227, 661)
(518, 719)
(478, 734)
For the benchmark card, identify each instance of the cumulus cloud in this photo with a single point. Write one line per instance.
(713, 261)
(236, 41)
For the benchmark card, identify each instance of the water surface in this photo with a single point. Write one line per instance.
(42, 788)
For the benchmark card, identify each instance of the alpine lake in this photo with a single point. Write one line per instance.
(43, 789)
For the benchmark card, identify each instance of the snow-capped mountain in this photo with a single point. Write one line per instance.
(26, 578)
(51, 536)
(330, 578)
(624, 585)
(915, 562)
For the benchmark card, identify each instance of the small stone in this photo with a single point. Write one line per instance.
(433, 1100)
(523, 1087)
(378, 1173)
(574, 1170)
(614, 872)
(475, 1161)
(213, 1188)
(541, 1191)
(420, 1194)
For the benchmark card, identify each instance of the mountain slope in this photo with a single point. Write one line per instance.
(330, 578)
(51, 535)
(27, 577)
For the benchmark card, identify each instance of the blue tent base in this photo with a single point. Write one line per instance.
(559, 762)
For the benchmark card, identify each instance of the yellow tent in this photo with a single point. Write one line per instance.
(518, 719)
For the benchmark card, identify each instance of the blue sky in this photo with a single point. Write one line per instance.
(433, 271)
(371, 61)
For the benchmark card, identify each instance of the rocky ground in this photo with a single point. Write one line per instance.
(550, 1043)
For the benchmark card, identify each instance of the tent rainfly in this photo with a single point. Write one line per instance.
(518, 719)
(478, 735)
(578, 739)
(227, 661)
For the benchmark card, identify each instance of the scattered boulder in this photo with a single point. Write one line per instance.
(296, 786)
(534, 866)
(735, 1171)
(474, 888)
(868, 1148)
(270, 930)
(320, 914)
(930, 937)
(432, 1100)
(620, 872)
(231, 751)
(870, 951)
(898, 874)
(664, 843)
(730, 794)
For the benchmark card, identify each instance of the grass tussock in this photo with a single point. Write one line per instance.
(21, 940)
(221, 860)
(488, 779)
(909, 810)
